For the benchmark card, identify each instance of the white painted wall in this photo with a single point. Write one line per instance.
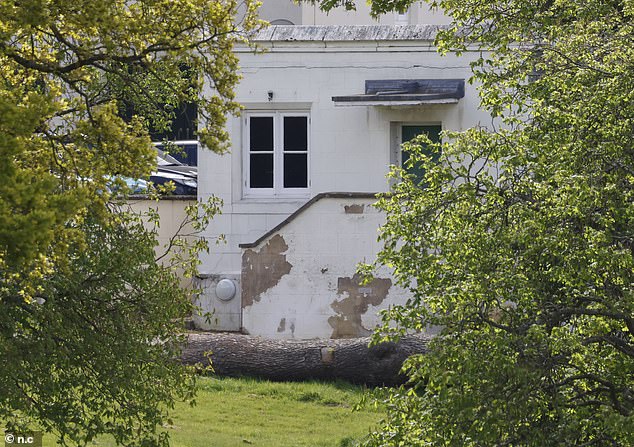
(418, 13)
(281, 10)
(350, 146)
(325, 243)
(213, 312)
(171, 212)
(308, 14)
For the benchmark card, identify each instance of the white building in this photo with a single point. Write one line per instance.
(326, 109)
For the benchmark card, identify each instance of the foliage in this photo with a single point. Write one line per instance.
(97, 350)
(90, 355)
(67, 70)
(520, 245)
(97, 355)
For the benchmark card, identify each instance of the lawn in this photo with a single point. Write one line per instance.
(244, 412)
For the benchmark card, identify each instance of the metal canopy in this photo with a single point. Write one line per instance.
(405, 92)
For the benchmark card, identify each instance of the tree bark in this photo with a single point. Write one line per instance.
(292, 360)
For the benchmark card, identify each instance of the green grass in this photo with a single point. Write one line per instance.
(244, 412)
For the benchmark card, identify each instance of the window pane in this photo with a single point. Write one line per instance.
(433, 132)
(408, 134)
(261, 133)
(295, 133)
(261, 170)
(295, 170)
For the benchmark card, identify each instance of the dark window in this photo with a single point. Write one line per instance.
(261, 148)
(295, 170)
(408, 133)
(295, 152)
(295, 133)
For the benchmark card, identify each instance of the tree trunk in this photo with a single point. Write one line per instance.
(343, 359)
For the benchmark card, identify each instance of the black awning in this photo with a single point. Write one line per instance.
(395, 92)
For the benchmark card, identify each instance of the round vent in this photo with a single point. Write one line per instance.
(225, 289)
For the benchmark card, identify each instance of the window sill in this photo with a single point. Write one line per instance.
(269, 196)
(275, 199)
(268, 205)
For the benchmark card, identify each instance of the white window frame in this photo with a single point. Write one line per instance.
(278, 190)
(401, 18)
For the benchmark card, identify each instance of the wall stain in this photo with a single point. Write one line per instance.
(263, 270)
(347, 323)
(282, 326)
(354, 209)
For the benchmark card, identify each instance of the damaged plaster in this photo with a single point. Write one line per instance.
(347, 323)
(354, 209)
(262, 270)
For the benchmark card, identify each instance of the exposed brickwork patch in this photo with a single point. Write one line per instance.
(354, 209)
(347, 323)
(262, 270)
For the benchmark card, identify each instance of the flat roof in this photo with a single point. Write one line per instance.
(406, 92)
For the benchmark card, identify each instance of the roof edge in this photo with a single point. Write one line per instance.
(347, 33)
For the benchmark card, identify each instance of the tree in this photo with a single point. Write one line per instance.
(88, 318)
(351, 360)
(520, 241)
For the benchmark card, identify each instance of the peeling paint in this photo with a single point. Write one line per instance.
(347, 323)
(263, 270)
(353, 209)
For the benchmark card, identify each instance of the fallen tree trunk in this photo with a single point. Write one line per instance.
(291, 360)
